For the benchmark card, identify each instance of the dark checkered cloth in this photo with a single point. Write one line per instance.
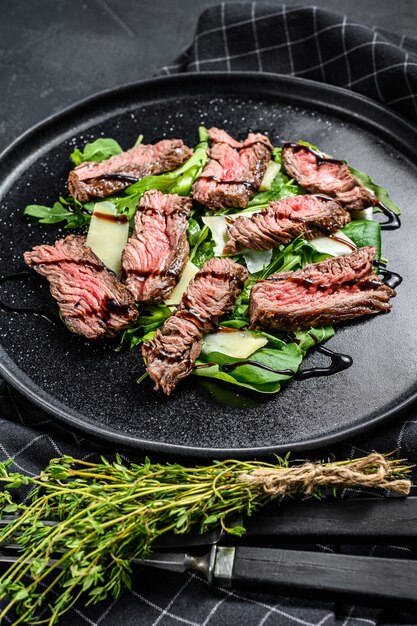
(325, 47)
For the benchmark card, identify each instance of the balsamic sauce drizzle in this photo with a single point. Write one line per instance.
(393, 221)
(392, 279)
(229, 367)
(7, 308)
(246, 183)
(339, 362)
(108, 217)
(122, 178)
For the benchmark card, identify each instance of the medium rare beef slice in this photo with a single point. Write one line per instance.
(156, 254)
(318, 173)
(92, 301)
(328, 292)
(234, 172)
(171, 354)
(283, 221)
(98, 180)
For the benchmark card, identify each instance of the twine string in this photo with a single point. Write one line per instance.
(370, 471)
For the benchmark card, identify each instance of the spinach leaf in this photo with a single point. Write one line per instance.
(277, 356)
(380, 192)
(204, 252)
(97, 151)
(193, 232)
(364, 233)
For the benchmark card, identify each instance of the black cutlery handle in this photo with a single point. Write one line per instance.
(369, 520)
(361, 579)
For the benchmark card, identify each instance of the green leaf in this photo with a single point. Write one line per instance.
(307, 339)
(193, 232)
(282, 187)
(364, 233)
(97, 151)
(278, 362)
(204, 252)
(71, 213)
(22, 594)
(151, 318)
(380, 192)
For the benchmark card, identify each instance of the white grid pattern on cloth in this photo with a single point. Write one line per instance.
(313, 25)
(32, 439)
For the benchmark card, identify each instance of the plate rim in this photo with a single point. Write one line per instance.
(34, 393)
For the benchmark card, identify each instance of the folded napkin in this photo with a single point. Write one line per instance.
(314, 44)
(307, 42)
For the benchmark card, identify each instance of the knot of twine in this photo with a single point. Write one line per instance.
(370, 471)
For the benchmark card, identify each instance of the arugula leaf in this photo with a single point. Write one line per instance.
(380, 192)
(71, 213)
(97, 151)
(364, 233)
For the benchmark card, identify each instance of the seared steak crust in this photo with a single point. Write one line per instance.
(171, 354)
(92, 301)
(283, 221)
(98, 180)
(156, 254)
(328, 292)
(234, 172)
(318, 173)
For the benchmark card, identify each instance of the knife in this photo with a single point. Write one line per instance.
(362, 579)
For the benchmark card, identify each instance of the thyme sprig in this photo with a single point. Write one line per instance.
(107, 514)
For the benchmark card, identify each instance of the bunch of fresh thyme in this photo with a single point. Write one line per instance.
(108, 513)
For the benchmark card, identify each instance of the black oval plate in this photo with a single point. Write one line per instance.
(93, 389)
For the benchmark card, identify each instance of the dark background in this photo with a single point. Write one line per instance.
(55, 52)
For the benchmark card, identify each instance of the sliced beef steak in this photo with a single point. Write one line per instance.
(283, 221)
(318, 173)
(92, 301)
(234, 172)
(328, 292)
(171, 354)
(98, 180)
(156, 254)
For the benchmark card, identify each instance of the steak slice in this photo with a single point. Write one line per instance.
(283, 221)
(234, 172)
(98, 180)
(156, 254)
(318, 173)
(92, 301)
(171, 354)
(328, 292)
